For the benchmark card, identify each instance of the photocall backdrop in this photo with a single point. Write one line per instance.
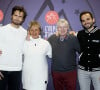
(47, 12)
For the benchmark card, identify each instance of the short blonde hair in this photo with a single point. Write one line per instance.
(60, 21)
(35, 24)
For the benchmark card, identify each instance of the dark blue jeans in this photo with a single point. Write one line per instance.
(11, 81)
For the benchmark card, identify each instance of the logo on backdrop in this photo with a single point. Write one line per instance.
(1, 15)
(51, 19)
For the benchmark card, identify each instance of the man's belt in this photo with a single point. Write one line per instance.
(90, 69)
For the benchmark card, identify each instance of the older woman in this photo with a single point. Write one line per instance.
(35, 66)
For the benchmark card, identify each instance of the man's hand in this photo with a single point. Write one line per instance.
(56, 33)
(1, 76)
(73, 33)
(0, 52)
(28, 36)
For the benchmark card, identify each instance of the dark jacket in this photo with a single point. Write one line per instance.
(90, 48)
